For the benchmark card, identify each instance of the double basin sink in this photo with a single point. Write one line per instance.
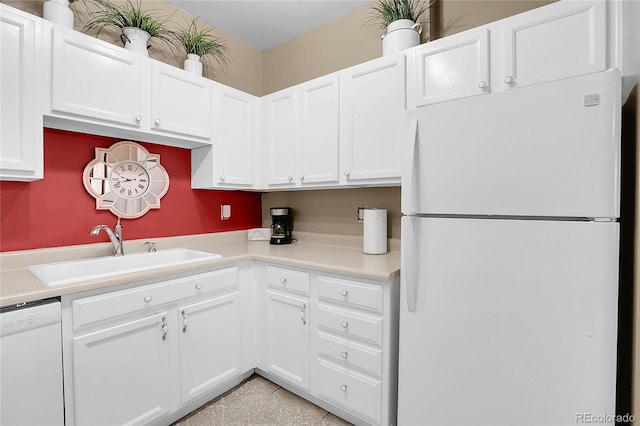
(76, 271)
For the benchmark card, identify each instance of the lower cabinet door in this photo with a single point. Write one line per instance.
(121, 373)
(288, 338)
(209, 344)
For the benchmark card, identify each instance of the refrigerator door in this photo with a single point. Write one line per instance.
(548, 150)
(514, 322)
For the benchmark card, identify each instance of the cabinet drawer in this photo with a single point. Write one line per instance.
(350, 355)
(286, 279)
(352, 293)
(350, 390)
(92, 309)
(350, 324)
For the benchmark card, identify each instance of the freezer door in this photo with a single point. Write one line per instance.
(513, 322)
(545, 150)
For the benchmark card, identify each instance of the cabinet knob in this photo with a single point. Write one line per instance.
(346, 174)
(344, 355)
(157, 122)
(343, 388)
(222, 178)
(147, 299)
(198, 286)
(482, 85)
(344, 293)
(138, 118)
(508, 79)
(301, 177)
(283, 280)
(290, 178)
(344, 324)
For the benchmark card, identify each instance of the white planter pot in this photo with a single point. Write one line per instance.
(135, 39)
(401, 34)
(57, 11)
(193, 65)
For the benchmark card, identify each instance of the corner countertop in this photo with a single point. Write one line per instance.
(321, 252)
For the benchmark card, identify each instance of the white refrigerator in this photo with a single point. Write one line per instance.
(510, 237)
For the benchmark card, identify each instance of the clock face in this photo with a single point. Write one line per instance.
(126, 179)
(129, 179)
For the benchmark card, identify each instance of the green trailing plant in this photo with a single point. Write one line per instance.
(388, 11)
(201, 42)
(129, 14)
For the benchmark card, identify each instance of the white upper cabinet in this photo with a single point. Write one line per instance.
(277, 112)
(564, 39)
(317, 131)
(181, 103)
(236, 122)
(372, 102)
(95, 80)
(449, 68)
(20, 113)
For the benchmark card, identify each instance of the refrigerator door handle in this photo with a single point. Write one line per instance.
(410, 160)
(410, 260)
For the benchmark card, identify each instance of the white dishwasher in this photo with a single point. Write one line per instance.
(31, 364)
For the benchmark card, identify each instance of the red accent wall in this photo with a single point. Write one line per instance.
(58, 211)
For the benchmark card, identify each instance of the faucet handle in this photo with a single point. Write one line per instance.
(152, 246)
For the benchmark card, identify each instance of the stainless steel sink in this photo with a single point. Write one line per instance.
(75, 271)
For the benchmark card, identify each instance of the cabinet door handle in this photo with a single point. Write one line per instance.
(344, 324)
(222, 178)
(508, 80)
(199, 286)
(290, 178)
(344, 355)
(163, 328)
(138, 118)
(347, 174)
(147, 299)
(283, 280)
(301, 177)
(482, 85)
(344, 293)
(303, 314)
(343, 388)
(184, 321)
(157, 122)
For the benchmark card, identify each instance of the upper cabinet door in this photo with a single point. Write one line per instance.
(180, 102)
(20, 117)
(317, 132)
(560, 40)
(95, 80)
(236, 121)
(372, 103)
(450, 68)
(278, 118)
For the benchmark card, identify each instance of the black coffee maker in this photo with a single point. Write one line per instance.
(281, 225)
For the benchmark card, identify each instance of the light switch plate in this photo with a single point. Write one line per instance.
(225, 211)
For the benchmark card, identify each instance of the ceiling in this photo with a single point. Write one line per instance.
(264, 24)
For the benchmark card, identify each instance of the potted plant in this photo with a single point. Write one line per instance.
(200, 43)
(400, 20)
(137, 26)
(58, 11)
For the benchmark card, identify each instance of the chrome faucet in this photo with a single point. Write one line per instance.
(115, 236)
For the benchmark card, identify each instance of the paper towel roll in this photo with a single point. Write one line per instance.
(375, 231)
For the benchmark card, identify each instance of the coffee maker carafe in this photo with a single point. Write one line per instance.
(281, 225)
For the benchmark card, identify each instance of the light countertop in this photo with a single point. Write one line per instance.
(328, 253)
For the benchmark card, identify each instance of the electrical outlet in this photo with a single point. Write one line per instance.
(225, 211)
(360, 217)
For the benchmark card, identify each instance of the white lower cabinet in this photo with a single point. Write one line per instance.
(136, 355)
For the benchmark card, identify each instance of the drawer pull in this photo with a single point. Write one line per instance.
(184, 321)
(147, 299)
(343, 388)
(344, 324)
(198, 286)
(283, 280)
(344, 293)
(344, 355)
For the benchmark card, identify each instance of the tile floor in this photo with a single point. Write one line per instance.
(258, 401)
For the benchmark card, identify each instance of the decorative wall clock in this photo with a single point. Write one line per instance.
(126, 179)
